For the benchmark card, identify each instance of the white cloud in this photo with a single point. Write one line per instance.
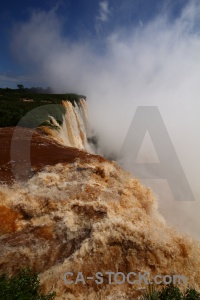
(103, 11)
(141, 23)
(158, 64)
(103, 15)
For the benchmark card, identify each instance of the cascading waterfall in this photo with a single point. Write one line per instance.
(75, 129)
(84, 112)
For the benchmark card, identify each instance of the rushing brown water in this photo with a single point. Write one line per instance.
(82, 213)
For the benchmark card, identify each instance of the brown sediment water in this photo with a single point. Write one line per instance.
(81, 213)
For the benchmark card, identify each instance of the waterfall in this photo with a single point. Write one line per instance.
(75, 128)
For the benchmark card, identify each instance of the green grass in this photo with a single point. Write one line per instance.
(23, 286)
(13, 108)
(170, 292)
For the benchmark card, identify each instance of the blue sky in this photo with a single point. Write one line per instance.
(88, 21)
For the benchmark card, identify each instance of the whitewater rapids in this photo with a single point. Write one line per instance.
(90, 216)
(78, 212)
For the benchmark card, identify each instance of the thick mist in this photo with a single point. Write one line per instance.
(153, 64)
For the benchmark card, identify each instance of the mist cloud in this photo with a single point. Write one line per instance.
(156, 64)
(103, 11)
(103, 15)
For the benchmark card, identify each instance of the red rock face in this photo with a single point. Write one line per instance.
(81, 213)
(43, 151)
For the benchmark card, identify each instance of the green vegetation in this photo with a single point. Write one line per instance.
(170, 292)
(24, 286)
(15, 103)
